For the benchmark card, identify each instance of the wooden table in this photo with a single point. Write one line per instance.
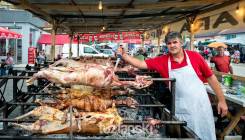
(238, 100)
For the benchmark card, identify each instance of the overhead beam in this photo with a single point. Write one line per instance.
(118, 6)
(126, 16)
(118, 23)
(24, 4)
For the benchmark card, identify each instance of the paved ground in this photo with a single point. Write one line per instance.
(239, 69)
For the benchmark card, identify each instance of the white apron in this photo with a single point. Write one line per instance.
(191, 101)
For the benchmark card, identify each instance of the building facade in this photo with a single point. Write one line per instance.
(25, 23)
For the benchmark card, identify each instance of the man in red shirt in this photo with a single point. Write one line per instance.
(190, 71)
(222, 62)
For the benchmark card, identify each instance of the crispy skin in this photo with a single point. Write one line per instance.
(88, 122)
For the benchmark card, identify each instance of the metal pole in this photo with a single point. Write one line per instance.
(78, 42)
(172, 112)
(53, 40)
(15, 86)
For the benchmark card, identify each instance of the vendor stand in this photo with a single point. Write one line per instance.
(234, 99)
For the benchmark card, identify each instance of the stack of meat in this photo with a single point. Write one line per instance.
(69, 72)
(91, 114)
(88, 110)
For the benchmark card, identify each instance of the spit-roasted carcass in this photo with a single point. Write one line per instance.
(88, 103)
(86, 122)
(91, 62)
(91, 75)
(69, 93)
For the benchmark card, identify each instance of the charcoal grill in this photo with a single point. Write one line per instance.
(134, 126)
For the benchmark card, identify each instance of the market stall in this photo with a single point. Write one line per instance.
(235, 96)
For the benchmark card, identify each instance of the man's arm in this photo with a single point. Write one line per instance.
(131, 60)
(231, 69)
(134, 61)
(222, 106)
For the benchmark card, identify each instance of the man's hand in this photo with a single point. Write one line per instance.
(120, 51)
(222, 108)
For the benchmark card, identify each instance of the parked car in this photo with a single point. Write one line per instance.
(84, 50)
(109, 52)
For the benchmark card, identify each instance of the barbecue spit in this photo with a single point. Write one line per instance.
(87, 122)
(69, 93)
(97, 76)
(88, 103)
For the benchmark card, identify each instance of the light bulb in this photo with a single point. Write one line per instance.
(100, 5)
(103, 28)
(237, 9)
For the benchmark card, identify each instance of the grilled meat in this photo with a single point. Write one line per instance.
(89, 123)
(91, 75)
(76, 94)
(88, 103)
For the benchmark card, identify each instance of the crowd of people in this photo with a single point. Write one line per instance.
(236, 54)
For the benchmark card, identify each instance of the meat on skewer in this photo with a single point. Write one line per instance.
(89, 123)
(96, 76)
(69, 93)
(89, 103)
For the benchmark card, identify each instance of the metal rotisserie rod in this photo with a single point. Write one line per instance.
(125, 122)
(142, 105)
(133, 122)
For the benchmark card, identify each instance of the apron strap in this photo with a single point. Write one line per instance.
(187, 60)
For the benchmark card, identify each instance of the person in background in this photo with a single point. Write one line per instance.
(237, 56)
(40, 58)
(190, 71)
(2, 68)
(59, 56)
(222, 63)
(226, 52)
(9, 62)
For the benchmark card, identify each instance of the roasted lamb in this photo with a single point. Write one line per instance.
(97, 76)
(87, 122)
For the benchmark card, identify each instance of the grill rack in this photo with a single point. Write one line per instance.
(156, 105)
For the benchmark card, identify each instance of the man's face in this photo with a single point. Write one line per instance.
(174, 46)
(221, 51)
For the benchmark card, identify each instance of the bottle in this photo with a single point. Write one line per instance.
(239, 87)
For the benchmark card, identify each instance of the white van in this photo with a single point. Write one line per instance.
(84, 50)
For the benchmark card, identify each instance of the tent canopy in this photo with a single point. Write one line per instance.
(59, 39)
(5, 33)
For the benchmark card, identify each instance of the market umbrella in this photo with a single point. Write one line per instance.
(217, 44)
(5, 33)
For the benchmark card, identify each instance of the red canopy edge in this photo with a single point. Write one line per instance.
(5, 33)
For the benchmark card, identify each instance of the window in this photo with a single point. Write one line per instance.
(230, 36)
(89, 50)
(3, 47)
(19, 51)
(107, 52)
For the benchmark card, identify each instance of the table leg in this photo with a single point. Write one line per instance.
(233, 123)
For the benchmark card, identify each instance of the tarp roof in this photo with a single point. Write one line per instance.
(117, 15)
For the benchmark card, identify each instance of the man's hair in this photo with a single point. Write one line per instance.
(173, 35)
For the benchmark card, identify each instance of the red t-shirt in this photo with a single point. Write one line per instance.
(160, 64)
(222, 63)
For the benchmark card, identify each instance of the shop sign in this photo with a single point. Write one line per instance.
(224, 17)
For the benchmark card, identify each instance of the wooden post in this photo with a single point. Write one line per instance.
(70, 46)
(158, 44)
(190, 23)
(192, 41)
